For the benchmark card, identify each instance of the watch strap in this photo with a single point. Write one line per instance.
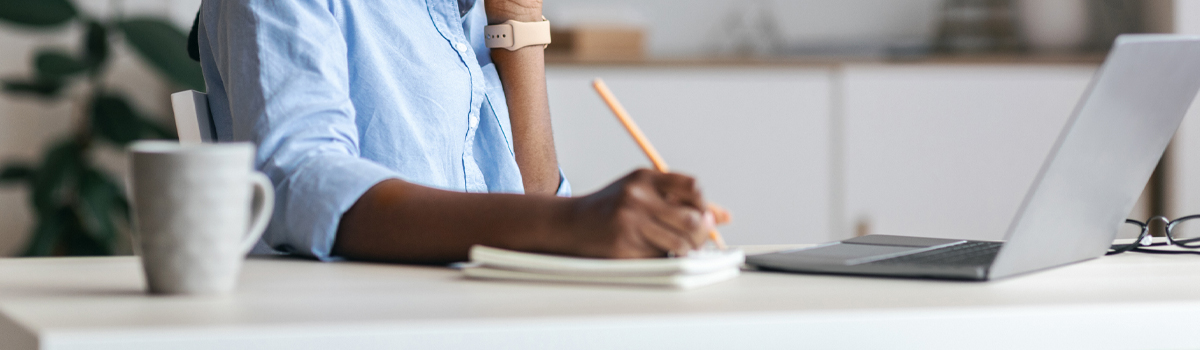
(513, 35)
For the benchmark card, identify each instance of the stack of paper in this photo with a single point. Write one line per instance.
(699, 268)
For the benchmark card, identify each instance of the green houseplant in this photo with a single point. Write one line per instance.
(79, 207)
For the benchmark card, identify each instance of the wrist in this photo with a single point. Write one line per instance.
(552, 220)
(499, 14)
(561, 223)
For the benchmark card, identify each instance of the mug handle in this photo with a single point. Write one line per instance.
(264, 206)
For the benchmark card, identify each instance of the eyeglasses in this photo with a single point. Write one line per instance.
(1183, 232)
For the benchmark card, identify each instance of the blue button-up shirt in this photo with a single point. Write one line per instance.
(339, 95)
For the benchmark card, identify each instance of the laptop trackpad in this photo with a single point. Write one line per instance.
(847, 253)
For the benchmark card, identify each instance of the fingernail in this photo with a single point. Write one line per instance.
(709, 220)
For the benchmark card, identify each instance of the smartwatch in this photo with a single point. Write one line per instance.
(512, 35)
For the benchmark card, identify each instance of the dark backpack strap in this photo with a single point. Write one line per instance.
(193, 42)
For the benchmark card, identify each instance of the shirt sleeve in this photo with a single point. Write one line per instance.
(283, 67)
(564, 186)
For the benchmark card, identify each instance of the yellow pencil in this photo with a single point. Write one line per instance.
(642, 142)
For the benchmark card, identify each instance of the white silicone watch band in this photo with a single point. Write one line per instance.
(513, 35)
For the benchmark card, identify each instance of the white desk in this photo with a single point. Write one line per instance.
(1131, 300)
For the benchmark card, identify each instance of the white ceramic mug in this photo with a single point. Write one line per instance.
(198, 209)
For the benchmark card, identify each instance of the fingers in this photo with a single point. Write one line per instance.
(667, 240)
(679, 189)
(686, 223)
(655, 214)
(720, 215)
(679, 210)
(682, 189)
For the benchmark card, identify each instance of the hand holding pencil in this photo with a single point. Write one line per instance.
(647, 213)
(714, 213)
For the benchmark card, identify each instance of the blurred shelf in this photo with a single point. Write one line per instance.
(1015, 58)
(952, 59)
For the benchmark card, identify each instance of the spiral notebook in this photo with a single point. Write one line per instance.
(697, 269)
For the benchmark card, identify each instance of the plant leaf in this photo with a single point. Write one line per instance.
(60, 232)
(37, 13)
(121, 207)
(61, 163)
(95, 45)
(97, 194)
(114, 119)
(165, 47)
(50, 227)
(158, 131)
(45, 88)
(76, 241)
(55, 65)
(16, 172)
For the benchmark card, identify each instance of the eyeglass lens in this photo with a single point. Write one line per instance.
(1186, 231)
(1130, 230)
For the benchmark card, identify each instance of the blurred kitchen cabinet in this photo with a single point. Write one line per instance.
(948, 150)
(1183, 178)
(757, 138)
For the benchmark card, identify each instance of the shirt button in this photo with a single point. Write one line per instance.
(460, 47)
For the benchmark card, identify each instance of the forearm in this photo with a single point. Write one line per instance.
(523, 75)
(398, 221)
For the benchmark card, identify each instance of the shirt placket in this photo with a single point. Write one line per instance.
(445, 14)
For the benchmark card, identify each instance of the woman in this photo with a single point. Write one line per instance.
(392, 133)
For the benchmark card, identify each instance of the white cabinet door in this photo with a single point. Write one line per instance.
(949, 151)
(756, 138)
(1183, 191)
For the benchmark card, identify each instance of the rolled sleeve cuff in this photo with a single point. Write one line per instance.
(314, 198)
(564, 186)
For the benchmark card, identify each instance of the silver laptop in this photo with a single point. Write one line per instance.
(1082, 194)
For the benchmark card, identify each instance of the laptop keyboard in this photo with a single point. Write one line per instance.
(971, 253)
